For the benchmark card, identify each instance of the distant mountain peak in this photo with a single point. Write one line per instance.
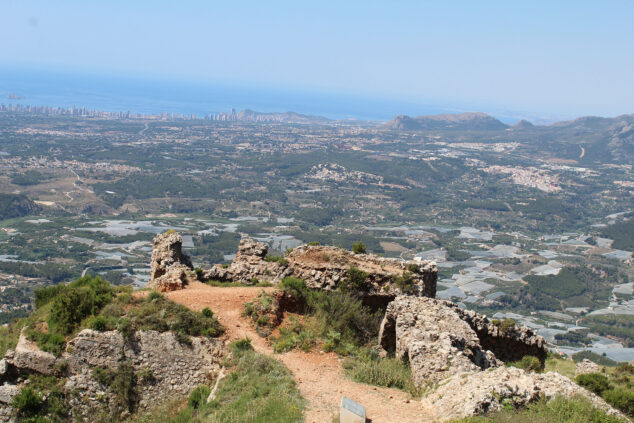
(464, 121)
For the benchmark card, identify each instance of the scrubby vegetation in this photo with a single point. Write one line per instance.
(367, 367)
(529, 363)
(258, 389)
(557, 410)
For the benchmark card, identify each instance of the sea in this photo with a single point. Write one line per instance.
(151, 95)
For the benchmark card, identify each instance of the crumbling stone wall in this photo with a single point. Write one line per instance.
(324, 267)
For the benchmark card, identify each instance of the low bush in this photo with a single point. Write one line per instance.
(279, 259)
(295, 335)
(368, 367)
(198, 396)
(358, 248)
(42, 400)
(405, 282)
(507, 325)
(28, 402)
(557, 410)
(529, 363)
(620, 398)
(356, 281)
(259, 389)
(84, 297)
(595, 382)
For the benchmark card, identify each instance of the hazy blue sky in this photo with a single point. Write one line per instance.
(558, 57)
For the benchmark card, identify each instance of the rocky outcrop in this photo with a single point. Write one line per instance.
(439, 339)
(28, 358)
(327, 268)
(586, 366)
(249, 265)
(165, 368)
(161, 367)
(474, 393)
(170, 269)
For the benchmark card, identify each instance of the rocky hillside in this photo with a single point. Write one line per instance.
(93, 352)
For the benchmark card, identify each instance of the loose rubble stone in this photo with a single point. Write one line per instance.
(440, 339)
(587, 366)
(475, 393)
(170, 269)
(7, 392)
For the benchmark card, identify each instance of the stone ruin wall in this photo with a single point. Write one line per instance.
(176, 368)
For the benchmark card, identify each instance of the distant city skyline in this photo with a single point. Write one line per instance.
(543, 59)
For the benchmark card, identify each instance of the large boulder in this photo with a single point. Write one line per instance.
(170, 269)
(29, 358)
(467, 394)
(440, 339)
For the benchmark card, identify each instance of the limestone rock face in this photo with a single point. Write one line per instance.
(473, 393)
(440, 339)
(170, 269)
(587, 366)
(327, 267)
(176, 368)
(28, 358)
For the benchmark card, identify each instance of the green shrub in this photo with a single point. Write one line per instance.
(260, 389)
(343, 312)
(413, 267)
(198, 396)
(49, 342)
(314, 243)
(529, 363)
(595, 382)
(80, 299)
(206, 312)
(356, 281)
(241, 345)
(622, 399)
(295, 287)
(125, 327)
(405, 282)
(123, 385)
(507, 324)
(279, 259)
(558, 410)
(44, 295)
(368, 368)
(155, 296)
(99, 323)
(146, 375)
(28, 402)
(293, 336)
(358, 248)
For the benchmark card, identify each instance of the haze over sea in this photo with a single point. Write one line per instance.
(153, 96)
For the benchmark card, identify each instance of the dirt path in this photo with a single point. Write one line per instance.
(319, 375)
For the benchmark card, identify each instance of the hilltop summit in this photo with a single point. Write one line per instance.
(461, 121)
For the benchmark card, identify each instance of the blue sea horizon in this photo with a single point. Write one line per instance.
(156, 96)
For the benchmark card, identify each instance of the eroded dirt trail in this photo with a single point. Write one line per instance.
(319, 375)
